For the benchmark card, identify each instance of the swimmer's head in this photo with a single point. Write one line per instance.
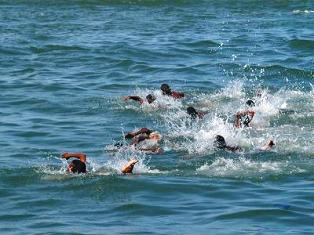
(192, 112)
(150, 98)
(77, 166)
(271, 143)
(220, 142)
(155, 136)
(165, 88)
(250, 103)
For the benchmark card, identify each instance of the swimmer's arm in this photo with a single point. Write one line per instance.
(141, 131)
(177, 95)
(156, 150)
(237, 122)
(247, 112)
(128, 168)
(80, 156)
(135, 98)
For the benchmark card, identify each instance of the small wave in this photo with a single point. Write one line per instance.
(269, 70)
(51, 48)
(302, 44)
(201, 44)
(146, 2)
(12, 51)
(303, 11)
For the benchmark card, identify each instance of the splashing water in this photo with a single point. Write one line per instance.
(247, 168)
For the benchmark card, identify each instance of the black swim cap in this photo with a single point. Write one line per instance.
(192, 112)
(78, 166)
(220, 142)
(250, 103)
(150, 98)
(165, 89)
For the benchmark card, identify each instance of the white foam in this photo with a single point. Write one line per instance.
(246, 168)
(303, 11)
(123, 155)
(196, 137)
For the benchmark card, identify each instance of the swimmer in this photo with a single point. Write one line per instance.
(145, 140)
(147, 143)
(166, 90)
(149, 99)
(268, 146)
(244, 118)
(79, 165)
(144, 131)
(195, 114)
(220, 143)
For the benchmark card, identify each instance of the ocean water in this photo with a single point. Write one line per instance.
(64, 68)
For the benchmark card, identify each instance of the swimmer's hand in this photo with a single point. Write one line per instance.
(128, 168)
(65, 155)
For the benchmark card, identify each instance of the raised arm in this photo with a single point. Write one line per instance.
(128, 168)
(80, 156)
(237, 122)
(135, 98)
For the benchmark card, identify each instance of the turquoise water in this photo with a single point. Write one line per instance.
(64, 67)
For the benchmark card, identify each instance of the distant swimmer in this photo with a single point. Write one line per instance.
(268, 146)
(244, 118)
(145, 140)
(195, 114)
(220, 143)
(143, 131)
(79, 165)
(166, 90)
(149, 99)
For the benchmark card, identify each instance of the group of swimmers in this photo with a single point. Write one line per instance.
(148, 140)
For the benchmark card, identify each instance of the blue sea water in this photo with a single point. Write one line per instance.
(64, 68)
